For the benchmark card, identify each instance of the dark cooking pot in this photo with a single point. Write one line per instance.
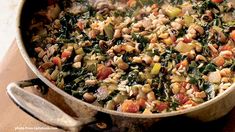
(85, 112)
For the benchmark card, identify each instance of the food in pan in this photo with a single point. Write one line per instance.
(138, 56)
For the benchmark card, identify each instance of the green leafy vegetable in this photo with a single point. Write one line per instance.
(207, 4)
(140, 39)
(109, 97)
(177, 2)
(209, 68)
(193, 80)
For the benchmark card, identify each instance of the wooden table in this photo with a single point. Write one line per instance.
(13, 68)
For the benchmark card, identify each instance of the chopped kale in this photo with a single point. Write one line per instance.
(87, 49)
(182, 32)
(118, 41)
(209, 68)
(205, 5)
(217, 22)
(233, 66)
(174, 105)
(126, 56)
(177, 2)
(211, 92)
(73, 73)
(193, 80)
(77, 94)
(132, 78)
(159, 2)
(204, 85)
(109, 97)
(68, 22)
(89, 13)
(141, 40)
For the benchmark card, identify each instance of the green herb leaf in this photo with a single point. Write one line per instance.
(193, 80)
(209, 68)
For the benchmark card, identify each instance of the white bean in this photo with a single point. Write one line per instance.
(147, 59)
(117, 33)
(200, 57)
(88, 97)
(201, 94)
(77, 58)
(91, 82)
(151, 96)
(176, 25)
(77, 65)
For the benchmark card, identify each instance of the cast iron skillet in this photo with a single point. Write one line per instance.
(50, 114)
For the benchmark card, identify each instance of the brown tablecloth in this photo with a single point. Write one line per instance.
(13, 68)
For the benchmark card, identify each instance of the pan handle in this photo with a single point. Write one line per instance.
(40, 108)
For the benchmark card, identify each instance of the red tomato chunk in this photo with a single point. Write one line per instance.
(130, 106)
(103, 71)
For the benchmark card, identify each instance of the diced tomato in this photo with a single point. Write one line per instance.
(103, 71)
(182, 90)
(228, 56)
(218, 61)
(214, 54)
(195, 88)
(56, 60)
(178, 65)
(217, 1)
(131, 3)
(183, 63)
(191, 102)
(80, 25)
(226, 47)
(66, 54)
(187, 40)
(161, 106)
(232, 35)
(153, 40)
(183, 84)
(141, 102)
(40, 69)
(155, 12)
(130, 106)
(173, 38)
(154, 6)
(155, 9)
(182, 98)
(183, 87)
